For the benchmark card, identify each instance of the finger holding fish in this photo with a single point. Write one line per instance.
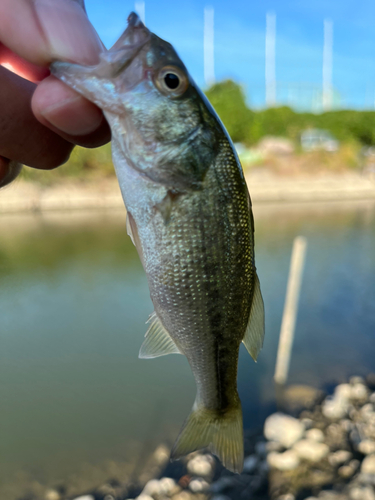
(44, 120)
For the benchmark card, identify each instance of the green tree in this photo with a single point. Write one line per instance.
(228, 99)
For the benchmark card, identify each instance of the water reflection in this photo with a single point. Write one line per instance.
(74, 301)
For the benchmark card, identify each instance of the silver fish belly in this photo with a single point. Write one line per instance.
(189, 216)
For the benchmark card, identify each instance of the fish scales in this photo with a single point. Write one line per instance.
(201, 285)
(189, 216)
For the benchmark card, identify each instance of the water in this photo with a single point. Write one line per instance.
(76, 400)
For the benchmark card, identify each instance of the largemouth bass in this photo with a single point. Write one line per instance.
(189, 216)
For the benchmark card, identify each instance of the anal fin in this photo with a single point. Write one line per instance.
(157, 341)
(254, 335)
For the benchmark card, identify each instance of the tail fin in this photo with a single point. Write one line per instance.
(221, 432)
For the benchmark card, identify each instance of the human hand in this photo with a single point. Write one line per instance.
(41, 119)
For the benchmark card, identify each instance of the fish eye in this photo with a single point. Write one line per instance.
(172, 81)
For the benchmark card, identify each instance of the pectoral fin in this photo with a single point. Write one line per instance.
(157, 341)
(131, 229)
(254, 335)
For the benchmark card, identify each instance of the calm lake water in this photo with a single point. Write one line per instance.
(73, 304)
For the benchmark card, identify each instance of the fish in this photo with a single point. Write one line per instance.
(190, 218)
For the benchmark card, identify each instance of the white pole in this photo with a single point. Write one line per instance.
(208, 46)
(140, 10)
(327, 65)
(290, 310)
(270, 59)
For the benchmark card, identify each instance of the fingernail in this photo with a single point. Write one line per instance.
(69, 33)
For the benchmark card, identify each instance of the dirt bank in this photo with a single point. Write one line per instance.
(264, 187)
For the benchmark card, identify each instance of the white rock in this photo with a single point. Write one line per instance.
(161, 454)
(339, 457)
(288, 496)
(167, 485)
(372, 398)
(367, 447)
(144, 497)
(359, 392)
(85, 497)
(343, 391)
(335, 408)
(52, 495)
(284, 429)
(311, 450)
(356, 379)
(367, 409)
(363, 493)
(315, 435)
(200, 465)
(368, 465)
(198, 485)
(152, 488)
(288, 460)
(183, 495)
(345, 471)
(250, 463)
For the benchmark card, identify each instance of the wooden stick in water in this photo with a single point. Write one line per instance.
(290, 310)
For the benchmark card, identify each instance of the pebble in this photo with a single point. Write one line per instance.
(307, 423)
(274, 446)
(334, 409)
(356, 379)
(315, 435)
(86, 497)
(250, 464)
(221, 484)
(144, 497)
(288, 460)
(345, 471)
(283, 429)
(200, 465)
(183, 495)
(368, 465)
(339, 457)
(288, 496)
(152, 488)
(198, 485)
(161, 454)
(261, 448)
(372, 398)
(168, 486)
(52, 495)
(359, 392)
(363, 493)
(311, 450)
(367, 447)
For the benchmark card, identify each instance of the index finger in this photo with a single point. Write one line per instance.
(48, 30)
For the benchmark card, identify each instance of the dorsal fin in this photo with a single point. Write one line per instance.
(157, 341)
(254, 335)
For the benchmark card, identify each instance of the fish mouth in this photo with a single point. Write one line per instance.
(128, 45)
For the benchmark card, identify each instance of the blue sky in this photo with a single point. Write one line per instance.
(240, 43)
